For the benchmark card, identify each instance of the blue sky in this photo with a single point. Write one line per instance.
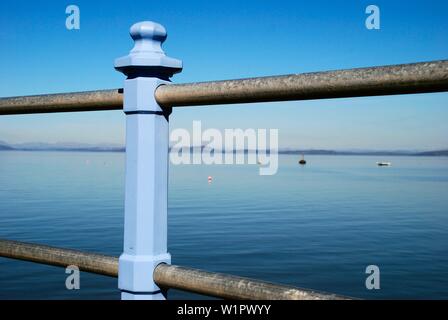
(225, 40)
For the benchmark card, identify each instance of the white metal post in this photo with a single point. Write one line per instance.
(147, 135)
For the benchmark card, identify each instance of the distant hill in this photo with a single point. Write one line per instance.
(439, 153)
(80, 147)
(349, 152)
(5, 147)
(38, 146)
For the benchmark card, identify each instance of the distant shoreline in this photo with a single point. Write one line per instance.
(436, 153)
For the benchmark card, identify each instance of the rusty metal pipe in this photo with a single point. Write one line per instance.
(63, 102)
(231, 287)
(89, 262)
(389, 80)
(167, 276)
(424, 77)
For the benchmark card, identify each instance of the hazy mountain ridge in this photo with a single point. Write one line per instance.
(437, 153)
(40, 146)
(60, 146)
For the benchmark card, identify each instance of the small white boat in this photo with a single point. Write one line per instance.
(384, 164)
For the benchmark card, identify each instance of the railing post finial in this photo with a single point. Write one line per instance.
(146, 190)
(147, 57)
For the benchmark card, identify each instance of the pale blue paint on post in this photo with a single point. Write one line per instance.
(147, 137)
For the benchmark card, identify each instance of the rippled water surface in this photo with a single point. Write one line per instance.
(317, 226)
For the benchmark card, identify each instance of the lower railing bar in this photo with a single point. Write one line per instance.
(167, 276)
(423, 77)
(85, 261)
(231, 287)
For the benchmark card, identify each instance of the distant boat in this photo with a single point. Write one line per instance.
(384, 164)
(302, 161)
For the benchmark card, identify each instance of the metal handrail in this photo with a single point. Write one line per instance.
(423, 77)
(101, 100)
(85, 261)
(167, 276)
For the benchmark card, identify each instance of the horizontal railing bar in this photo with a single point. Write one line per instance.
(231, 287)
(100, 100)
(85, 261)
(166, 276)
(424, 77)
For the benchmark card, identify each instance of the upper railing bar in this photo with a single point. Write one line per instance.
(100, 100)
(424, 77)
(389, 80)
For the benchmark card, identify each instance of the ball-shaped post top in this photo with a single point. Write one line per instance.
(148, 30)
(147, 57)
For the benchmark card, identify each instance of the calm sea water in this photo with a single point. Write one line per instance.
(317, 226)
